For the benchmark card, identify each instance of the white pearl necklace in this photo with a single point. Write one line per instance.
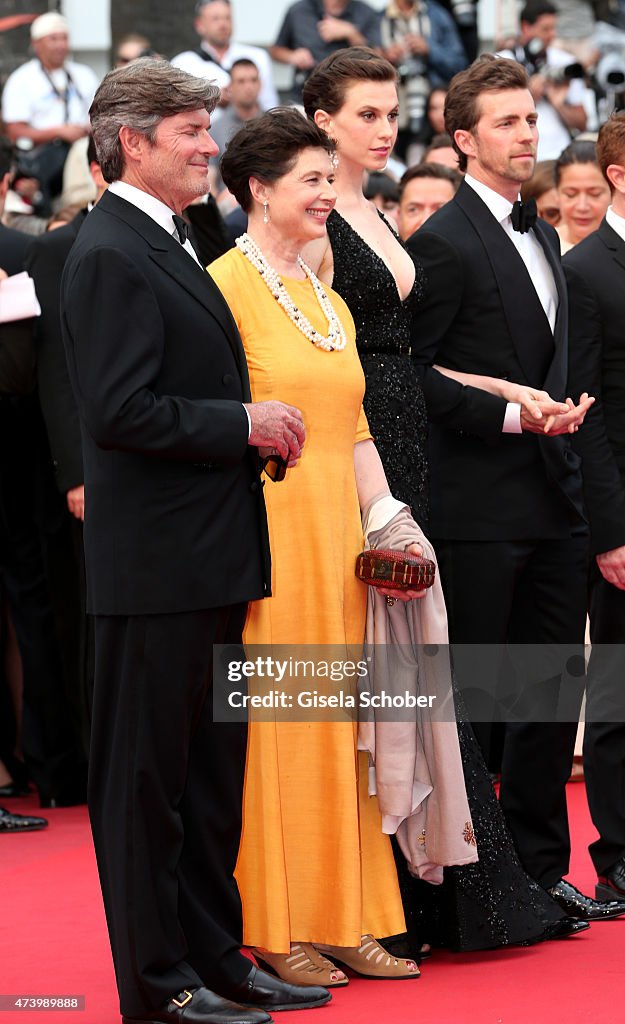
(336, 339)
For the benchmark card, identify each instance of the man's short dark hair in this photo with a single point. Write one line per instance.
(533, 11)
(486, 74)
(204, 3)
(242, 62)
(379, 183)
(437, 171)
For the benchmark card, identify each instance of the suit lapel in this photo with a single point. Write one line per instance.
(199, 284)
(613, 242)
(169, 255)
(555, 380)
(519, 300)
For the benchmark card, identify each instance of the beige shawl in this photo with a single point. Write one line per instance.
(416, 769)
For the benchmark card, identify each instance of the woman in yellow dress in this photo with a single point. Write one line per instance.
(314, 866)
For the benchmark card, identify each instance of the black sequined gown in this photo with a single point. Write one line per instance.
(493, 902)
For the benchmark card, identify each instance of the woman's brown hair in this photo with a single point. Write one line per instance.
(325, 89)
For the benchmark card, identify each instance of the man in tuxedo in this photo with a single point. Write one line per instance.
(175, 546)
(507, 512)
(51, 751)
(66, 493)
(595, 273)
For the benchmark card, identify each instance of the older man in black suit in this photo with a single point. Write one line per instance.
(176, 545)
(595, 273)
(507, 513)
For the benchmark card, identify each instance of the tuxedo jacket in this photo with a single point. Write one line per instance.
(14, 247)
(174, 513)
(17, 361)
(45, 261)
(595, 273)
(481, 314)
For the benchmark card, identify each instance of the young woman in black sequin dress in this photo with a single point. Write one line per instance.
(352, 96)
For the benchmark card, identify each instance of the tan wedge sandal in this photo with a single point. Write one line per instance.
(370, 960)
(304, 965)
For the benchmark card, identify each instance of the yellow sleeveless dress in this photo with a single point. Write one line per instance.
(314, 865)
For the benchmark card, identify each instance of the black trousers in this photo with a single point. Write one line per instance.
(604, 733)
(165, 800)
(524, 593)
(51, 744)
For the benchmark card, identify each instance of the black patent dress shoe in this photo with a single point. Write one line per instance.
(575, 904)
(566, 927)
(20, 822)
(268, 993)
(12, 790)
(611, 886)
(200, 1006)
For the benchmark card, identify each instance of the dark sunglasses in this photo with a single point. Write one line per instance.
(275, 467)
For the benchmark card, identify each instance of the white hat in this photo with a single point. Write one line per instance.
(46, 24)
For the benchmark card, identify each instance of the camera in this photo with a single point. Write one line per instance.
(412, 74)
(566, 74)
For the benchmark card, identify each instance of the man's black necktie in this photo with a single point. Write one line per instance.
(523, 215)
(182, 228)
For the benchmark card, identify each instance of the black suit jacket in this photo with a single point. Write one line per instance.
(595, 273)
(45, 261)
(14, 246)
(481, 314)
(16, 339)
(174, 514)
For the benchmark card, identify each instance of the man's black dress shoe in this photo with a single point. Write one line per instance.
(584, 907)
(611, 886)
(20, 822)
(566, 927)
(200, 1006)
(11, 790)
(269, 993)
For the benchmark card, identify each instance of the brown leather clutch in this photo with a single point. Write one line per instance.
(395, 569)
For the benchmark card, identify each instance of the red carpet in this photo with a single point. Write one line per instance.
(53, 941)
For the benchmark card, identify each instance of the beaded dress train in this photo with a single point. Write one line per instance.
(493, 902)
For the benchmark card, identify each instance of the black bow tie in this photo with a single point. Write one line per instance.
(182, 228)
(523, 215)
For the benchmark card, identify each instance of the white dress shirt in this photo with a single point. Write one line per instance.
(155, 209)
(531, 252)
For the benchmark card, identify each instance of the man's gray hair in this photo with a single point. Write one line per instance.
(139, 95)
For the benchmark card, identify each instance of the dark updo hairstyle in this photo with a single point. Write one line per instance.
(266, 148)
(578, 152)
(326, 87)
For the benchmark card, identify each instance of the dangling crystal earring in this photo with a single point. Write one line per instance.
(265, 213)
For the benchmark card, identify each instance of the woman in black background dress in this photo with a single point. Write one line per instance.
(352, 96)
